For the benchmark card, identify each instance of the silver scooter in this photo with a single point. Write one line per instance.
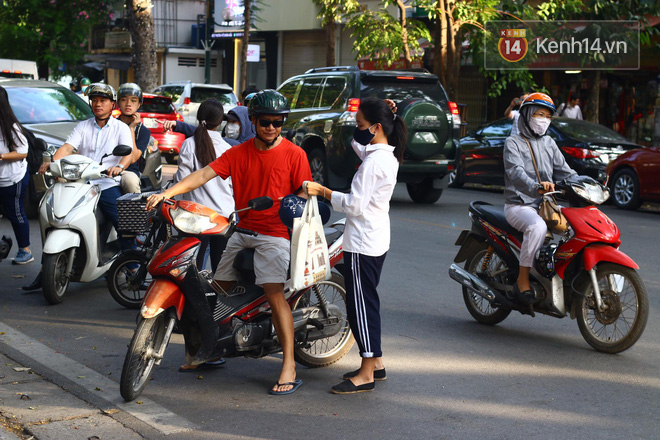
(79, 242)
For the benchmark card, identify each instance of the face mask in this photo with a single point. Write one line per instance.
(363, 137)
(539, 125)
(232, 130)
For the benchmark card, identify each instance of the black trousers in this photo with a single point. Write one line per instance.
(217, 245)
(362, 275)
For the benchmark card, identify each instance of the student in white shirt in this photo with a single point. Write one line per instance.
(379, 141)
(572, 109)
(14, 177)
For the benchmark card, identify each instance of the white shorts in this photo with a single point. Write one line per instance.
(271, 258)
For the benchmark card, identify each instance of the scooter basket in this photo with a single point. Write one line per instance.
(133, 219)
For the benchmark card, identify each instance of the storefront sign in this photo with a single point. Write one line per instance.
(253, 53)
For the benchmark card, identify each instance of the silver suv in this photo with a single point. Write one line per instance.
(187, 96)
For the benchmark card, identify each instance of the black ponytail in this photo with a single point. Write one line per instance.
(376, 110)
(8, 121)
(209, 116)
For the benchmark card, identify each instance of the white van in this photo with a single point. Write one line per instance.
(18, 69)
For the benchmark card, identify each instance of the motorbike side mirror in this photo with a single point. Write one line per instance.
(261, 203)
(122, 150)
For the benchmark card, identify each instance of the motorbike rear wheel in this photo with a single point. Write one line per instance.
(54, 280)
(479, 307)
(128, 279)
(621, 325)
(147, 341)
(326, 351)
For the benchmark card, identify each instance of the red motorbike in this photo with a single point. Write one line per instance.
(183, 299)
(580, 273)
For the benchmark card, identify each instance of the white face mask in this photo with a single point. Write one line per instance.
(539, 125)
(232, 130)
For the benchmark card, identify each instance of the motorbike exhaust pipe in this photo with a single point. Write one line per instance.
(471, 282)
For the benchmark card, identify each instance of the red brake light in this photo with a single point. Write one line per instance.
(116, 112)
(580, 153)
(405, 77)
(353, 105)
(453, 107)
(186, 101)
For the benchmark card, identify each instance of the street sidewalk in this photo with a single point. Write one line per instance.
(36, 409)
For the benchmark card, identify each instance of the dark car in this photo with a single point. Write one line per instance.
(324, 103)
(634, 177)
(587, 147)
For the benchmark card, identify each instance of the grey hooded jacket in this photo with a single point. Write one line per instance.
(520, 181)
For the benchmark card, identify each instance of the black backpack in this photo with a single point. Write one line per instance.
(36, 148)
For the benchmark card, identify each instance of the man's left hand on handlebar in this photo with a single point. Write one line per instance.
(114, 171)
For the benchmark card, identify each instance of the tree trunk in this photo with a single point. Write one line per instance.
(141, 24)
(246, 40)
(594, 98)
(330, 54)
(404, 33)
(439, 43)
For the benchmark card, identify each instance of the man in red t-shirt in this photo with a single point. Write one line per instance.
(266, 165)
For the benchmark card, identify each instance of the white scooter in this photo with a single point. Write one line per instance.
(80, 243)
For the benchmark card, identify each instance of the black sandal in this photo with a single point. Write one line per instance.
(348, 387)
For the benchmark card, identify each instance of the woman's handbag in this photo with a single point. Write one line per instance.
(309, 251)
(549, 210)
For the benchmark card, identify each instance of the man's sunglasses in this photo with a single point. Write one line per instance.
(267, 122)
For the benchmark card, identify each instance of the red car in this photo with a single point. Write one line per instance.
(634, 177)
(160, 108)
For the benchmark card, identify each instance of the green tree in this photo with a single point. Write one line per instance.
(637, 10)
(53, 33)
(380, 36)
(331, 12)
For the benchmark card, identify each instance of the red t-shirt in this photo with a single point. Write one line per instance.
(254, 173)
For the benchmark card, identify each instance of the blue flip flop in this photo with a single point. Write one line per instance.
(210, 365)
(296, 383)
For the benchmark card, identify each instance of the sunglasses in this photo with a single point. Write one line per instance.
(267, 123)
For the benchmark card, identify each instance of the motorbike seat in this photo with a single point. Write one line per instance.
(331, 235)
(495, 215)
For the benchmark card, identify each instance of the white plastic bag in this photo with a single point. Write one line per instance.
(309, 251)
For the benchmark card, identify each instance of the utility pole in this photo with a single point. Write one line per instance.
(210, 7)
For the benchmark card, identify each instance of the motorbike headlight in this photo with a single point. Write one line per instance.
(591, 192)
(191, 223)
(71, 171)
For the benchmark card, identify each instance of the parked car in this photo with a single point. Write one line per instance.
(324, 102)
(187, 96)
(634, 177)
(51, 112)
(153, 109)
(587, 147)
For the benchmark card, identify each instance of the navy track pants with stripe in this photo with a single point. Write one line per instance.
(362, 275)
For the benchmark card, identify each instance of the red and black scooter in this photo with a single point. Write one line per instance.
(216, 323)
(583, 274)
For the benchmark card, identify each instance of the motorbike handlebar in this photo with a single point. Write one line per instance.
(247, 232)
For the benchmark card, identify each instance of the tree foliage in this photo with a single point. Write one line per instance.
(53, 33)
(380, 36)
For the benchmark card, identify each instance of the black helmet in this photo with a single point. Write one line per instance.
(545, 260)
(100, 89)
(268, 102)
(130, 89)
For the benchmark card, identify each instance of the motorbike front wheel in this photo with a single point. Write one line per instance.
(150, 337)
(326, 351)
(128, 279)
(54, 278)
(619, 326)
(479, 307)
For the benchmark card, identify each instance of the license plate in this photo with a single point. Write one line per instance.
(150, 122)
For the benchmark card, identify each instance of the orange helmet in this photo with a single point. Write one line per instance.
(539, 99)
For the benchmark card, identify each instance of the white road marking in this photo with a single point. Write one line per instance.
(148, 411)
